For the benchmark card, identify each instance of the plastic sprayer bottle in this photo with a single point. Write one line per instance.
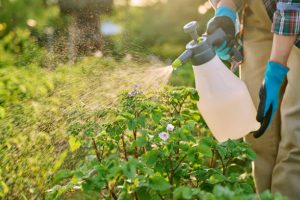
(225, 102)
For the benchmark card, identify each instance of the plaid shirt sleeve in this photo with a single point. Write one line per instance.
(286, 18)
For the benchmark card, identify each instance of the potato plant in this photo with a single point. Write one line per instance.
(151, 147)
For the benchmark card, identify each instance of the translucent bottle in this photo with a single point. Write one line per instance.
(225, 102)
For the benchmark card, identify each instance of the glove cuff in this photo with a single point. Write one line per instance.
(227, 12)
(276, 71)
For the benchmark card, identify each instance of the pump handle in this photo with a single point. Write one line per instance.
(191, 28)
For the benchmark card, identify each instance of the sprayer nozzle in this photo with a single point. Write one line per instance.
(177, 63)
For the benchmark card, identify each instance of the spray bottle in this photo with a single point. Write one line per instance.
(225, 102)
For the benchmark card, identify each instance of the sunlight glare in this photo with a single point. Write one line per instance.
(202, 10)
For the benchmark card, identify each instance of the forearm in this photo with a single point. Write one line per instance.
(285, 27)
(282, 46)
(228, 3)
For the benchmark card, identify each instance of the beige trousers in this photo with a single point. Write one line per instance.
(277, 166)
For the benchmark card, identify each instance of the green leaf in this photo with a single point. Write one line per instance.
(3, 189)
(144, 194)
(216, 178)
(141, 121)
(194, 95)
(131, 124)
(205, 150)
(156, 115)
(266, 195)
(191, 154)
(278, 196)
(196, 116)
(62, 174)
(141, 141)
(159, 183)
(151, 157)
(181, 193)
(129, 169)
(2, 112)
(187, 193)
(87, 185)
(128, 115)
(222, 151)
(74, 143)
(61, 159)
(93, 183)
(208, 141)
(251, 154)
(220, 191)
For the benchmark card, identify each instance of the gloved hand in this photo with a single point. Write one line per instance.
(225, 19)
(269, 95)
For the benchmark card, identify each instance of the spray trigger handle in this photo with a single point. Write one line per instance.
(191, 28)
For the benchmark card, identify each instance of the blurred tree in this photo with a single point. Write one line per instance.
(84, 28)
(157, 28)
(25, 28)
(17, 13)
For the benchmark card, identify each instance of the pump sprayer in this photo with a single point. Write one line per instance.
(225, 102)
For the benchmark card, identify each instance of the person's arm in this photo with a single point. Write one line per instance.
(286, 27)
(228, 3)
(233, 4)
(282, 46)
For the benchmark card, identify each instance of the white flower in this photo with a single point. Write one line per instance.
(77, 187)
(132, 94)
(164, 136)
(170, 127)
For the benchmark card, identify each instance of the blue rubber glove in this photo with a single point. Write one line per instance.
(269, 95)
(225, 19)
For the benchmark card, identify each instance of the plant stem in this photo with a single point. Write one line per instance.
(175, 109)
(102, 152)
(227, 163)
(197, 184)
(193, 184)
(181, 160)
(139, 113)
(111, 192)
(223, 165)
(98, 154)
(211, 163)
(136, 196)
(171, 175)
(181, 104)
(135, 148)
(124, 147)
(177, 150)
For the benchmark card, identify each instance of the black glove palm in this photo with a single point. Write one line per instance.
(225, 19)
(269, 95)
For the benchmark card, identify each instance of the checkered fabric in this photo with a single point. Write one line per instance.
(286, 17)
